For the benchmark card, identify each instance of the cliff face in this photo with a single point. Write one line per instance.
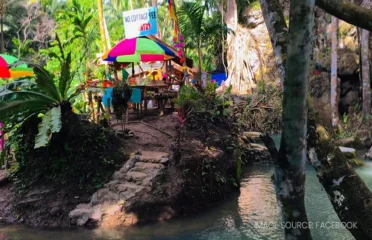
(261, 59)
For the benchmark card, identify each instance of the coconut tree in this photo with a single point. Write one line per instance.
(102, 25)
(200, 30)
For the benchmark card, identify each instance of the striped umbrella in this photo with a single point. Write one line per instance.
(136, 50)
(6, 71)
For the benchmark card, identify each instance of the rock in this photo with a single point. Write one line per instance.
(80, 217)
(350, 142)
(104, 195)
(253, 136)
(130, 164)
(256, 153)
(56, 211)
(155, 157)
(350, 154)
(119, 175)
(111, 184)
(365, 137)
(136, 176)
(347, 62)
(112, 210)
(368, 155)
(323, 133)
(4, 178)
(128, 187)
(164, 161)
(347, 150)
(144, 166)
(97, 213)
(351, 98)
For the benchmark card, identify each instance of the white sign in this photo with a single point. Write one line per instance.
(140, 22)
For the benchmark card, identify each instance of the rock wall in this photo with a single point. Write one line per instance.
(347, 68)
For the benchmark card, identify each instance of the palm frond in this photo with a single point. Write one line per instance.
(44, 130)
(45, 82)
(27, 105)
(7, 95)
(20, 84)
(65, 80)
(55, 120)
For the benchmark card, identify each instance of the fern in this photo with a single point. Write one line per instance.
(42, 138)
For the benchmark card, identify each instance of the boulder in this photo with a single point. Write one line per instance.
(56, 211)
(80, 216)
(104, 195)
(350, 142)
(4, 177)
(256, 153)
(368, 155)
(365, 137)
(350, 154)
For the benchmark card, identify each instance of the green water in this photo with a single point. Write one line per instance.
(237, 218)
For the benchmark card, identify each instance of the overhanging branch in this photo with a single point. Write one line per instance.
(347, 11)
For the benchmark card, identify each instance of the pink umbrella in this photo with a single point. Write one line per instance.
(135, 50)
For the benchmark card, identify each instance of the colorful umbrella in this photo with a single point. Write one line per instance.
(16, 72)
(137, 49)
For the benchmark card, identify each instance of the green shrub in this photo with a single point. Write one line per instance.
(83, 158)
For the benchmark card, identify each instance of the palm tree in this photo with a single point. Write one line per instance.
(102, 25)
(26, 98)
(198, 30)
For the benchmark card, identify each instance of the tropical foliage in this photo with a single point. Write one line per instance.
(26, 98)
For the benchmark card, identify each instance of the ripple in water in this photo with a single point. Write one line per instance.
(234, 219)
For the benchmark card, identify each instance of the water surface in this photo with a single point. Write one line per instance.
(238, 218)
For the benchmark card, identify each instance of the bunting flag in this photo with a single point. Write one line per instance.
(177, 37)
(172, 11)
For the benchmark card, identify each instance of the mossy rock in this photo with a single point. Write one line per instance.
(352, 158)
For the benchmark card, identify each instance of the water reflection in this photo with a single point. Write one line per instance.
(234, 219)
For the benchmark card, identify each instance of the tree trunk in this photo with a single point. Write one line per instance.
(102, 25)
(238, 41)
(366, 80)
(2, 33)
(349, 195)
(200, 58)
(107, 34)
(278, 31)
(334, 78)
(155, 4)
(347, 11)
(289, 163)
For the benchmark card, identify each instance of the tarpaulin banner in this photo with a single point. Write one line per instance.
(140, 22)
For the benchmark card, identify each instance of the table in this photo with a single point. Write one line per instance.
(156, 87)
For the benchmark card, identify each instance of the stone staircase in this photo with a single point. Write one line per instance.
(107, 205)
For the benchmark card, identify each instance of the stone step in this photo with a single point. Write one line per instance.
(127, 195)
(136, 176)
(128, 187)
(147, 166)
(153, 157)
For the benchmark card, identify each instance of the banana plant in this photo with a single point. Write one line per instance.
(27, 98)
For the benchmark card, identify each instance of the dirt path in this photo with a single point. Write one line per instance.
(147, 138)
